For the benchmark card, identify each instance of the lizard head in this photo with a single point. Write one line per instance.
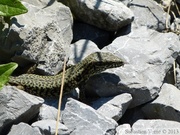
(100, 61)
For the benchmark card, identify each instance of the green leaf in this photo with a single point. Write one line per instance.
(11, 8)
(5, 71)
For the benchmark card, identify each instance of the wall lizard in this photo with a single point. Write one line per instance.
(46, 86)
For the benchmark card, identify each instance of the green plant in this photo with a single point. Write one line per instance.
(10, 8)
(5, 71)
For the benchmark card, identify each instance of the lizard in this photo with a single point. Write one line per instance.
(48, 86)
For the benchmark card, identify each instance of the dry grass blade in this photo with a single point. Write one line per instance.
(174, 72)
(60, 97)
(167, 27)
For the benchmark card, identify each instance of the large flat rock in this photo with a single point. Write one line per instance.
(150, 127)
(165, 106)
(48, 127)
(105, 14)
(113, 107)
(150, 14)
(17, 106)
(81, 49)
(24, 129)
(148, 55)
(43, 36)
(84, 120)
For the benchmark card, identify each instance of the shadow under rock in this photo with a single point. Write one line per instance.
(110, 78)
(131, 116)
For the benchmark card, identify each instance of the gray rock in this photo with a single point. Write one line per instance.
(52, 103)
(17, 106)
(165, 3)
(166, 106)
(84, 120)
(48, 127)
(80, 49)
(148, 54)
(148, 13)
(41, 35)
(150, 127)
(89, 32)
(125, 2)
(175, 26)
(24, 129)
(48, 112)
(113, 107)
(105, 14)
(121, 129)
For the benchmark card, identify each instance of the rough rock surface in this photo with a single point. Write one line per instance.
(122, 129)
(80, 49)
(15, 106)
(82, 119)
(41, 35)
(48, 127)
(165, 106)
(148, 13)
(113, 107)
(150, 127)
(175, 26)
(148, 54)
(125, 2)
(105, 14)
(47, 112)
(24, 129)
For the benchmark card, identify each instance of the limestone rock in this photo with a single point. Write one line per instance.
(113, 107)
(121, 129)
(148, 13)
(150, 127)
(80, 49)
(166, 105)
(42, 36)
(48, 127)
(24, 129)
(48, 112)
(165, 3)
(148, 54)
(84, 120)
(175, 26)
(15, 106)
(125, 2)
(105, 14)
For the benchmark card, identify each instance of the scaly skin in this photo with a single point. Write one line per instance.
(49, 85)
